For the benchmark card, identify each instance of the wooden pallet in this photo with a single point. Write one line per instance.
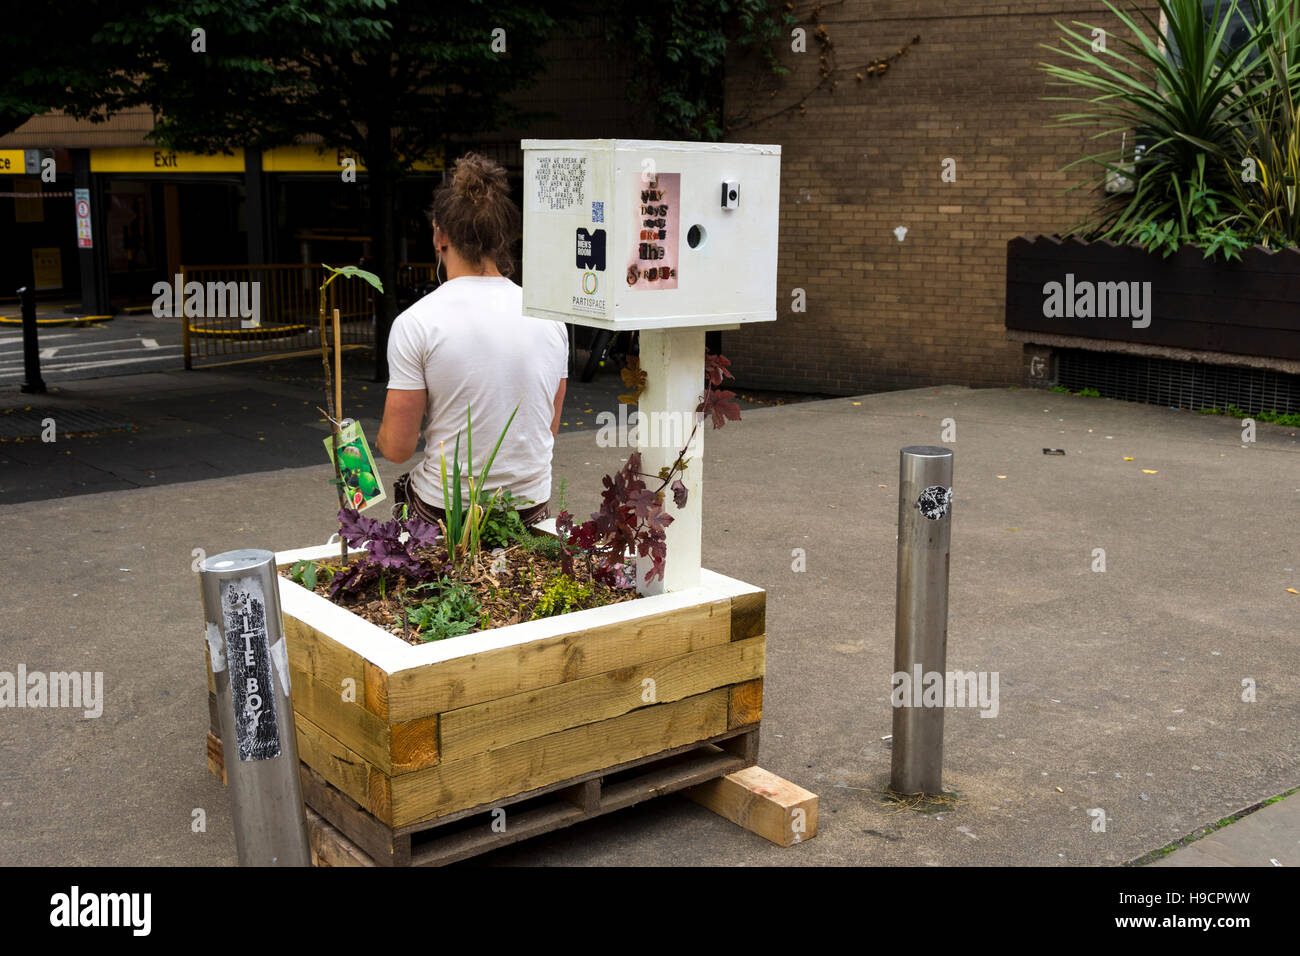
(355, 835)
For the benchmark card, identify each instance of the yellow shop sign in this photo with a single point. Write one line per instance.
(144, 159)
(321, 159)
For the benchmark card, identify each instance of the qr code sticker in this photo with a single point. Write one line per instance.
(597, 211)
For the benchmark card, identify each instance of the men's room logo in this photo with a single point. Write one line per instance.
(590, 248)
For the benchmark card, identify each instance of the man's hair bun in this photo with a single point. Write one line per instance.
(477, 177)
(473, 207)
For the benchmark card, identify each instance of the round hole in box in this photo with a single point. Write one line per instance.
(696, 236)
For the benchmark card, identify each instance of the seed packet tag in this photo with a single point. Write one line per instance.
(362, 485)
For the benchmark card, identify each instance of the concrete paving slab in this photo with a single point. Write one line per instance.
(1270, 836)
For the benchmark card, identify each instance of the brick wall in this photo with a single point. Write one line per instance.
(857, 163)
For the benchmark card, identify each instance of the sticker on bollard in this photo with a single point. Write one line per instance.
(934, 502)
(248, 654)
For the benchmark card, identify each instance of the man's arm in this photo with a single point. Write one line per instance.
(559, 405)
(399, 432)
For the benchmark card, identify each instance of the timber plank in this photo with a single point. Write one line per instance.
(534, 822)
(344, 768)
(454, 785)
(323, 658)
(727, 740)
(376, 690)
(762, 803)
(508, 720)
(502, 672)
(351, 819)
(346, 721)
(207, 662)
(327, 847)
(748, 615)
(414, 744)
(746, 703)
(216, 758)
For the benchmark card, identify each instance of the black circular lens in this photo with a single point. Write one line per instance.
(695, 236)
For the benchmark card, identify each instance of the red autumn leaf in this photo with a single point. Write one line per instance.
(679, 493)
(716, 368)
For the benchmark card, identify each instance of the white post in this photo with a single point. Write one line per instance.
(673, 360)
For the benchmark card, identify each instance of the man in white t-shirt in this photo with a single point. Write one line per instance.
(468, 347)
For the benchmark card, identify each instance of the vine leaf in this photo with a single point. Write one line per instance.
(679, 493)
(634, 377)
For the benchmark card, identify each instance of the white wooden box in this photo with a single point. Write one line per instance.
(641, 234)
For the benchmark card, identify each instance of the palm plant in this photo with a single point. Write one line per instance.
(1268, 186)
(1195, 106)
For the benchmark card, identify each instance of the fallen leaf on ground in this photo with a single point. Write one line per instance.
(1128, 459)
(1149, 471)
(1001, 476)
(1292, 591)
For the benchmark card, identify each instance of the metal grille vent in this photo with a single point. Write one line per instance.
(1181, 384)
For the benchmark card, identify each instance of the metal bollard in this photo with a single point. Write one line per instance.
(32, 381)
(921, 615)
(241, 605)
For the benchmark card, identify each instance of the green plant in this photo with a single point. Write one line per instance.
(465, 518)
(1272, 416)
(1200, 106)
(1088, 393)
(562, 595)
(452, 612)
(542, 545)
(1060, 388)
(502, 526)
(331, 412)
(308, 573)
(1267, 144)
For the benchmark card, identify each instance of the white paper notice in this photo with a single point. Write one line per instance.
(559, 183)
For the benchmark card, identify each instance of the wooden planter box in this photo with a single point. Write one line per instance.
(1247, 307)
(399, 738)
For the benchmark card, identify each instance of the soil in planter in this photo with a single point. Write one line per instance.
(509, 591)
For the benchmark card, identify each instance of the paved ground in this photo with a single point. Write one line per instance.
(1120, 691)
(1268, 837)
(122, 346)
(146, 430)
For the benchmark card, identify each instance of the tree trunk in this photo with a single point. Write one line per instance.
(383, 230)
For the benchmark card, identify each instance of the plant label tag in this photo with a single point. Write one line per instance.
(248, 655)
(362, 486)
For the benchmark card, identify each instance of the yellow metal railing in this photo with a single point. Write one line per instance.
(239, 312)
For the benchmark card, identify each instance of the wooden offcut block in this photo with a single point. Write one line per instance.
(762, 803)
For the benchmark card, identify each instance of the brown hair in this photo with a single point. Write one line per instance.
(474, 209)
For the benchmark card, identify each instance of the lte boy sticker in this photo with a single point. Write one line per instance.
(591, 250)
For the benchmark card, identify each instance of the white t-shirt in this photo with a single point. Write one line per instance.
(469, 345)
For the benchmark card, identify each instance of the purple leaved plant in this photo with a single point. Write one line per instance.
(383, 551)
(632, 516)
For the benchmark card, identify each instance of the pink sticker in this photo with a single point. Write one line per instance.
(656, 214)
